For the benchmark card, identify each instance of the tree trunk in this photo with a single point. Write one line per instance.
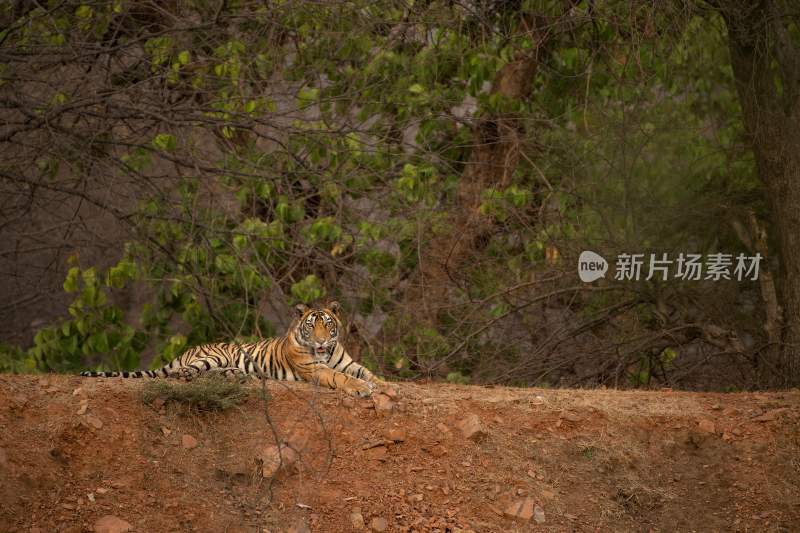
(492, 160)
(765, 58)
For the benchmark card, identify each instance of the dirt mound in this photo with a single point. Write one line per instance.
(430, 458)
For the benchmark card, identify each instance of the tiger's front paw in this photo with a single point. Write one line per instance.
(360, 388)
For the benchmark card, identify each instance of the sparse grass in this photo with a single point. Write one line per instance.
(208, 393)
(588, 452)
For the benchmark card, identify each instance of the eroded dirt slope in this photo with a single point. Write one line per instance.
(540, 460)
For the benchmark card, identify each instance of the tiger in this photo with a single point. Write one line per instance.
(309, 351)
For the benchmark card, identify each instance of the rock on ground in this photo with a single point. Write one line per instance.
(521, 509)
(378, 524)
(357, 519)
(706, 426)
(383, 404)
(189, 442)
(472, 428)
(111, 524)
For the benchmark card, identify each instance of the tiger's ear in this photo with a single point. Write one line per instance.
(335, 307)
(300, 309)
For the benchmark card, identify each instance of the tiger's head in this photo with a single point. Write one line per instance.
(317, 328)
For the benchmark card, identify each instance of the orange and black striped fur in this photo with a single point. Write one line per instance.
(309, 351)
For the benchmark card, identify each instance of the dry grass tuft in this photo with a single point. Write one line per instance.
(207, 393)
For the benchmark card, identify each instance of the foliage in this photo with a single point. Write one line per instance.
(301, 151)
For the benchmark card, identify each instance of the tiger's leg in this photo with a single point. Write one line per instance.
(327, 377)
(341, 361)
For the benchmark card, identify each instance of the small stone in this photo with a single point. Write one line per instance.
(274, 458)
(443, 429)
(538, 515)
(769, 416)
(357, 519)
(101, 490)
(188, 442)
(395, 434)
(289, 456)
(471, 428)
(348, 401)
(706, 426)
(716, 407)
(415, 498)
(91, 497)
(438, 451)
(111, 524)
(270, 457)
(383, 404)
(378, 524)
(532, 474)
(77, 391)
(158, 403)
(377, 454)
(84, 405)
(522, 509)
(166, 431)
(298, 440)
(570, 416)
(95, 422)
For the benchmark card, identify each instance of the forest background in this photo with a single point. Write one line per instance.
(179, 172)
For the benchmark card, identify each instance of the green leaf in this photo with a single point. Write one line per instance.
(308, 289)
(99, 342)
(84, 12)
(159, 49)
(308, 95)
(225, 263)
(71, 282)
(184, 57)
(165, 142)
(416, 89)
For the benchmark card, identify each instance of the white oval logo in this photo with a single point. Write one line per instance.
(591, 266)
